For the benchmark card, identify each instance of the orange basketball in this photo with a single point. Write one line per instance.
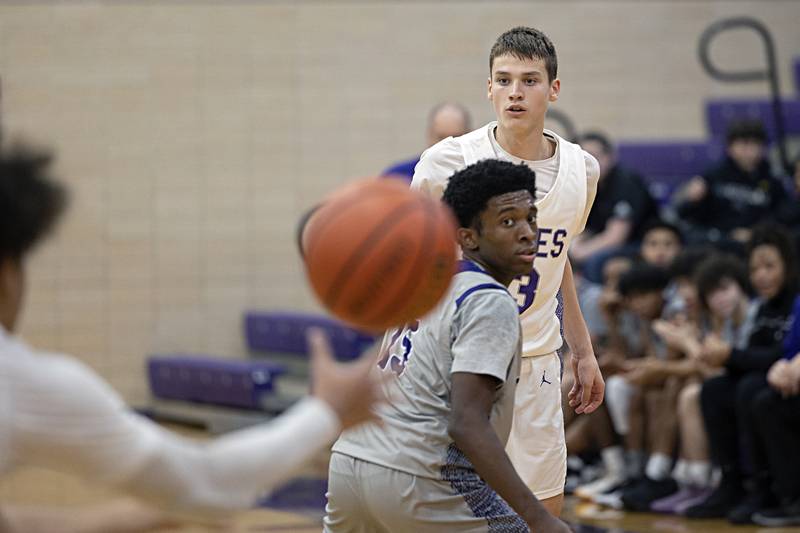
(378, 254)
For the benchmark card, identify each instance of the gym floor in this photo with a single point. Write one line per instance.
(298, 507)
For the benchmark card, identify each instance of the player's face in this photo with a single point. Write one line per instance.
(660, 247)
(12, 287)
(507, 243)
(767, 271)
(520, 92)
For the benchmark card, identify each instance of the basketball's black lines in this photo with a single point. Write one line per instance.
(411, 278)
(364, 248)
(366, 195)
(436, 270)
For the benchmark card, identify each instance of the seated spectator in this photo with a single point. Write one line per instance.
(661, 243)
(447, 119)
(726, 399)
(722, 290)
(621, 207)
(642, 290)
(724, 203)
(790, 211)
(777, 414)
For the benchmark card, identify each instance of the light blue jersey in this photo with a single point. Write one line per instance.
(474, 329)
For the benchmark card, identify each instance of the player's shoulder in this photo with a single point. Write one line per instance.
(592, 167)
(475, 289)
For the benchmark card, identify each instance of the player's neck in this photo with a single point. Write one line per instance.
(505, 280)
(530, 145)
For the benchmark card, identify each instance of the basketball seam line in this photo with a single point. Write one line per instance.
(430, 226)
(336, 287)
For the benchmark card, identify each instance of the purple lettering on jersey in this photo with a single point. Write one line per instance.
(525, 289)
(542, 241)
(551, 242)
(558, 241)
(397, 364)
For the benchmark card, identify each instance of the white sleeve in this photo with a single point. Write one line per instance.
(592, 179)
(436, 165)
(66, 418)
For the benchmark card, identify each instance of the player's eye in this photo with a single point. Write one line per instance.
(502, 81)
(530, 81)
(532, 220)
(508, 222)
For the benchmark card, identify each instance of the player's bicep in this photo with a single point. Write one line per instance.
(472, 396)
(80, 425)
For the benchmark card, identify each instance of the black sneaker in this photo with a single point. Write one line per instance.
(719, 504)
(754, 502)
(787, 515)
(640, 496)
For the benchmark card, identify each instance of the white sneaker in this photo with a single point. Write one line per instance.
(591, 490)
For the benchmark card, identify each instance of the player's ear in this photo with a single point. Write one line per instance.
(555, 90)
(489, 88)
(467, 238)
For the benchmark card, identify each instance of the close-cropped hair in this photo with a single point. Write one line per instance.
(658, 223)
(523, 42)
(30, 201)
(686, 263)
(746, 129)
(600, 138)
(772, 234)
(469, 190)
(716, 270)
(643, 278)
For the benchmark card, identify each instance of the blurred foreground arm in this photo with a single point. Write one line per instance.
(79, 425)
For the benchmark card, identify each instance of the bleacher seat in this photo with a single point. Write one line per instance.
(284, 332)
(213, 380)
(719, 114)
(665, 165)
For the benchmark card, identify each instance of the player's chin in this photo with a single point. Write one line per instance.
(523, 264)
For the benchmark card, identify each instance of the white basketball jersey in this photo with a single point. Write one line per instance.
(562, 215)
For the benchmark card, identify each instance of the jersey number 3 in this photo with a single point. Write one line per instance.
(523, 289)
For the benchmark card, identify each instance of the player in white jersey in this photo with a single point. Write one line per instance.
(56, 413)
(437, 463)
(522, 83)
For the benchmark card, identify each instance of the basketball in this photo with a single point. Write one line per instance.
(378, 254)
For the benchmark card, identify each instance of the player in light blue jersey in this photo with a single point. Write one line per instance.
(437, 462)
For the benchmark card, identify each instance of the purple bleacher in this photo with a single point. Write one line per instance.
(797, 75)
(285, 332)
(213, 380)
(665, 165)
(719, 113)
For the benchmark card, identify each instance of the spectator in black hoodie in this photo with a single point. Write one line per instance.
(722, 205)
(727, 399)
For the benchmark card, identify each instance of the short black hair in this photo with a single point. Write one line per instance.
(600, 138)
(469, 190)
(686, 263)
(773, 234)
(712, 272)
(642, 278)
(523, 42)
(658, 223)
(745, 129)
(30, 201)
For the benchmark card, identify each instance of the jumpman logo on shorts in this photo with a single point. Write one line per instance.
(544, 379)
